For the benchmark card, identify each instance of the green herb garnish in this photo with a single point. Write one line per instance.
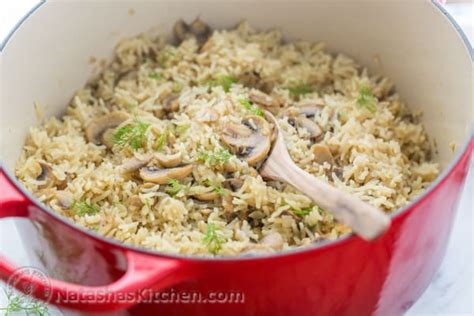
(366, 99)
(249, 107)
(161, 141)
(82, 208)
(299, 89)
(179, 130)
(174, 187)
(224, 81)
(21, 303)
(218, 157)
(132, 134)
(215, 187)
(155, 75)
(164, 57)
(301, 212)
(213, 239)
(177, 87)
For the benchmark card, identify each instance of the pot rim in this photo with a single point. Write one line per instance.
(286, 253)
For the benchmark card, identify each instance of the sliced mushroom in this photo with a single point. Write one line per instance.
(261, 98)
(233, 184)
(134, 203)
(168, 161)
(252, 79)
(313, 129)
(198, 29)
(162, 176)
(208, 196)
(201, 30)
(108, 138)
(65, 199)
(97, 128)
(236, 130)
(251, 140)
(311, 109)
(171, 103)
(181, 30)
(133, 164)
(322, 154)
(231, 166)
(46, 175)
(208, 116)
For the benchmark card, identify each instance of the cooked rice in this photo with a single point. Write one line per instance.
(381, 157)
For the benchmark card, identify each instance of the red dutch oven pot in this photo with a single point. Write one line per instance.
(416, 43)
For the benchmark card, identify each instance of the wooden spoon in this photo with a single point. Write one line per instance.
(364, 219)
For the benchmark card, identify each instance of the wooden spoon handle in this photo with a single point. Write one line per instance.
(365, 220)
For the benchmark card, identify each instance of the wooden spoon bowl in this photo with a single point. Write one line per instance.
(365, 220)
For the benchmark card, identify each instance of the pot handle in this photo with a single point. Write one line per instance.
(143, 271)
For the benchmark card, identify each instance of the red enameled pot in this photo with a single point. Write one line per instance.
(416, 43)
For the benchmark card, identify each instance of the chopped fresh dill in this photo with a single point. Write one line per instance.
(215, 187)
(179, 130)
(155, 75)
(301, 212)
(366, 99)
(174, 187)
(224, 81)
(82, 208)
(132, 134)
(300, 88)
(21, 303)
(161, 141)
(177, 87)
(219, 190)
(213, 239)
(164, 57)
(252, 109)
(218, 157)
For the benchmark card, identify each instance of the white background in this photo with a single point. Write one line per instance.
(450, 292)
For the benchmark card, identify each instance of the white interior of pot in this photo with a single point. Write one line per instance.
(48, 57)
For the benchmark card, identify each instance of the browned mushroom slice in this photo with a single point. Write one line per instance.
(198, 29)
(181, 30)
(168, 161)
(133, 164)
(208, 196)
(251, 140)
(261, 98)
(252, 79)
(46, 176)
(171, 103)
(322, 154)
(162, 176)
(108, 138)
(97, 128)
(233, 184)
(65, 199)
(313, 129)
(134, 203)
(310, 109)
(201, 30)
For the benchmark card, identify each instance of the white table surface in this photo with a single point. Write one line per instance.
(450, 292)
